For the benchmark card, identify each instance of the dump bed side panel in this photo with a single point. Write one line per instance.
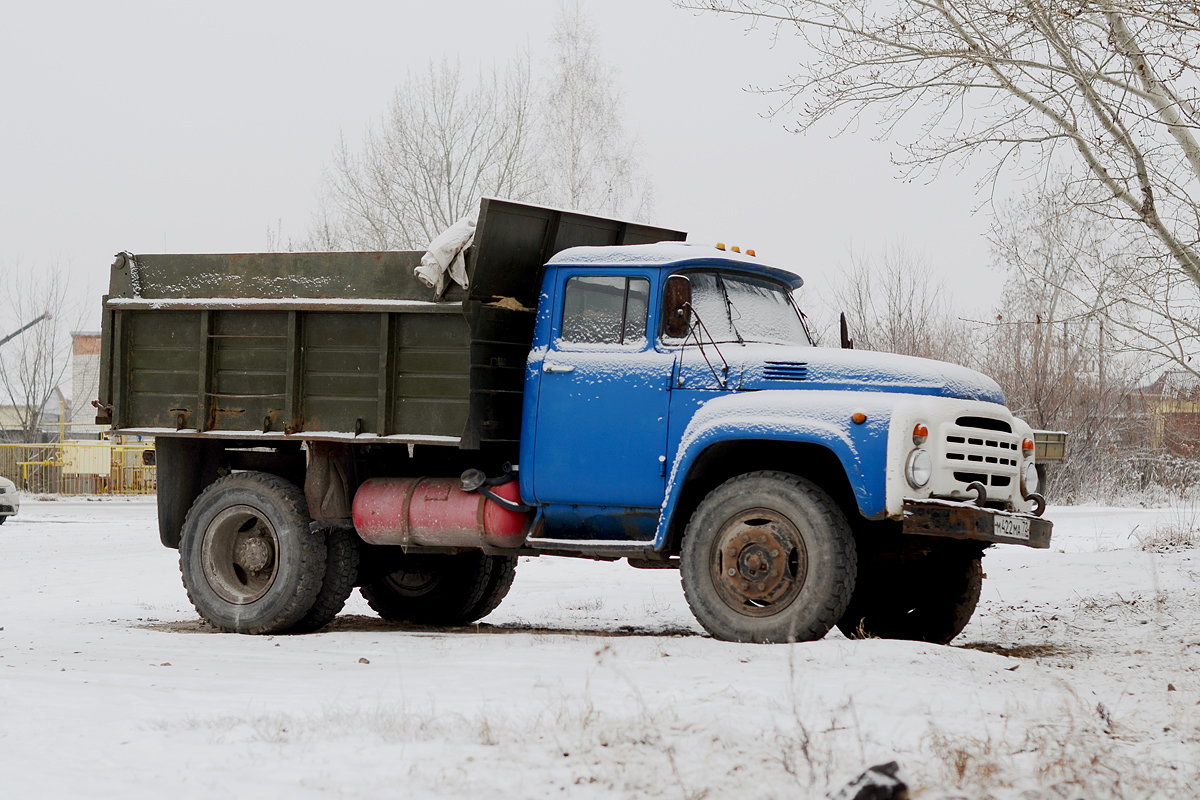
(293, 372)
(337, 345)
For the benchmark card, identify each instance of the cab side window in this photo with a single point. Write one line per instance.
(605, 310)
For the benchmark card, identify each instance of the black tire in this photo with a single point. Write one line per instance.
(341, 573)
(249, 562)
(791, 551)
(931, 600)
(3, 518)
(442, 590)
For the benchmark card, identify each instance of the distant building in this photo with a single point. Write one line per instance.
(73, 417)
(85, 385)
(1172, 404)
(48, 423)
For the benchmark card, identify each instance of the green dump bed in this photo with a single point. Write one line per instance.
(336, 345)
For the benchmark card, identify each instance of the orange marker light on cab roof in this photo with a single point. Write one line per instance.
(858, 417)
(736, 249)
(720, 245)
(750, 253)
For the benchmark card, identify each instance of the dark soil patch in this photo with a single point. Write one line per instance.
(358, 623)
(1019, 650)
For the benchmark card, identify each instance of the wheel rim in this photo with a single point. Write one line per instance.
(416, 579)
(759, 562)
(240, 554)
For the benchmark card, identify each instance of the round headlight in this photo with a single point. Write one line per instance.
(919, 469)
(1031, 478)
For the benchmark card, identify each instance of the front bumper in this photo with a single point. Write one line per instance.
(956, 520)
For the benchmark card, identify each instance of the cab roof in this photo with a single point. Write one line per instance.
(672, 254)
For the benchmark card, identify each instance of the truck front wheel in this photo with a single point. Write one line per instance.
(250, 564)
(931, 600)
(768, 557)
(441, 589)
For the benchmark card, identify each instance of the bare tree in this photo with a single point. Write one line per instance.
(1107, 87)
(440, 146)
(590, 162)
(445, 141)
(33, 364)
(896, 305)
(1050, 344)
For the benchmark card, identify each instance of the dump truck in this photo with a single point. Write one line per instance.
(597, 389)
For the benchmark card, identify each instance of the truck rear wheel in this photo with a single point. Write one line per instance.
(442, 590)
(768, 557)
(249, 562)
(341, 573)
(931, 601)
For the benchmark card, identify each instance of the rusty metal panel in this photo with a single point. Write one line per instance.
(161, 373)
(249, 370)
(340, 375)
(500, 343)
(513, 241)
(432, 377)
(105, 398)
(963, 521)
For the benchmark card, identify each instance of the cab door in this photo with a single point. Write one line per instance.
(601, 431)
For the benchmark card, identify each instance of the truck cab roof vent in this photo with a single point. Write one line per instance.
(785, 371)
(985, 423)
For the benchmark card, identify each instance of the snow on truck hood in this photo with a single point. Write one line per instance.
(780, 366)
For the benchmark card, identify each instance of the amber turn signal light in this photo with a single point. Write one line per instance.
(858, 417)
(920, 433)
(1027, 448)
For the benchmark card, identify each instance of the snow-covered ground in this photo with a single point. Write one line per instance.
(1078, 677)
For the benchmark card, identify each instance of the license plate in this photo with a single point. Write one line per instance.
(1011, 527)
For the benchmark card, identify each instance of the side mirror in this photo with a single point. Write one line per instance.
(677, 306)
(847, 342)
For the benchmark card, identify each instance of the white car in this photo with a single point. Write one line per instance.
(10, 501)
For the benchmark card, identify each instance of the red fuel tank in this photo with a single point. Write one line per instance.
(435, 512)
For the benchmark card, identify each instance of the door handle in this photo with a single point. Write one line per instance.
(548, 367)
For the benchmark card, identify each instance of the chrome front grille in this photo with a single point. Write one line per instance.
(987, 456)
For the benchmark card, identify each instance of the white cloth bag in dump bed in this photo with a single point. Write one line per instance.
(445, 258)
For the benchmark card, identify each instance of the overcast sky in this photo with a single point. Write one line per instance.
(156, 127)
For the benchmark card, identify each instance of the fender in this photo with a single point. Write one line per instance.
(823, 418)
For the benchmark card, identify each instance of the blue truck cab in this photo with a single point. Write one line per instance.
(596, 389)
(631, 431)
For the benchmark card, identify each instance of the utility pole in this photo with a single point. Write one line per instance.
(27, 326)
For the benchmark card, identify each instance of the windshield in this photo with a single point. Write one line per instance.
(742, 308)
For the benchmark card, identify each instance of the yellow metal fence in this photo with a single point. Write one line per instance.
(78, 468)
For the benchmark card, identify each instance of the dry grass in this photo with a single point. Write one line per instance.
(1168, 538)
(1058, 753)
(1075, 754)
(1179, 531)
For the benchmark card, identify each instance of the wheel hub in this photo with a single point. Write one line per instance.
(759, 562)
(253, 555)
(240, 554)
